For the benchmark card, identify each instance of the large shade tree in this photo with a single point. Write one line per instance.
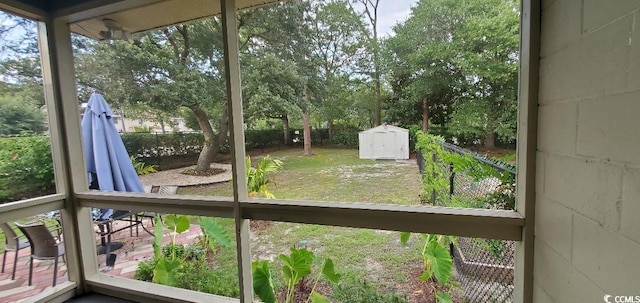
(461, 57)
(165, 70)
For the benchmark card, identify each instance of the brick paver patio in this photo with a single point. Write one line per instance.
(135, 249)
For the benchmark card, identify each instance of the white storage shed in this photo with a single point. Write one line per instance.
(384, 142)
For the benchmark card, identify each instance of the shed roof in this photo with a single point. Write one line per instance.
(385, 127)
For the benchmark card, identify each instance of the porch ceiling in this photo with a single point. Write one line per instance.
(157, 15)
(134, 16)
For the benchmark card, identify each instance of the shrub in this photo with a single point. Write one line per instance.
(199, 277)
(144, 272)
(347, 137)
(147, 145)
(25, 165)
(196, 275)
(359, 291)
(256, 139)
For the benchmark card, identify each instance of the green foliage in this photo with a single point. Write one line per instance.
(257, 176)
(297, 266)
(146, 145)
(17, 118)
(167, 271)
(142, 129)
(264, 138)
(436, 177)
(262, 281)
(496, 247)
(438, 263)
(144, 272)
(214, 233)
(503, 197)
(359, 291)
(436, 170)
(171, 260)
(471, 51)
(141, 167)
(25, 166)
(197, 275)
(347, 137)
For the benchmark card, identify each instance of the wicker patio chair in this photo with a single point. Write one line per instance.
(14, 243)
(44, 246)
(157, 189)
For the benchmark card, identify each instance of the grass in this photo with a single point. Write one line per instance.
(337, 175)
(359, 254)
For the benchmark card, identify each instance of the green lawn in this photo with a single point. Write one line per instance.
(338, 175)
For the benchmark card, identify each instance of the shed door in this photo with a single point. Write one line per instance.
(383, 146)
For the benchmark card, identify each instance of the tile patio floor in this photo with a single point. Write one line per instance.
(135, 249)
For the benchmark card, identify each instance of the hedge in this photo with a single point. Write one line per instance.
(26, 165)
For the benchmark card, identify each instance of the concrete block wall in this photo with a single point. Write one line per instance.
(588, 172)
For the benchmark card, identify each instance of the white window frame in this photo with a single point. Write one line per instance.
(75, 201)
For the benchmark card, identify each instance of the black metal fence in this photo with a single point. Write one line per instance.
(484, 266)
(485, 269)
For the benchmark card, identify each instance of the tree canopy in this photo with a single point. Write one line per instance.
(304, 63)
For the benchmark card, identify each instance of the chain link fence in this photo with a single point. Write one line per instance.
(485, 269)
(484, 266)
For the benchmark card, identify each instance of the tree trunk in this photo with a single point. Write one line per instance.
(162, 126)
(286, 130)
(221, 137)
(490, 140)
(330, 129)
(307, 132)
(306, 121)
(425, 115)
(124, 127)
(205, 157)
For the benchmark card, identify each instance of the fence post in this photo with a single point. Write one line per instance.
(434, 195)
(452, 177)
(158, 154)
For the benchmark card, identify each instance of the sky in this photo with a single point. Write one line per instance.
(391, 12)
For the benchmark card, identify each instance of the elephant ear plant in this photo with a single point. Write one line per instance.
(170, 259)
(257, 180)
(297, 266)
(438, 264)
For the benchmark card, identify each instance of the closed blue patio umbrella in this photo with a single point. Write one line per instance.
(108, 165)
(106, 157)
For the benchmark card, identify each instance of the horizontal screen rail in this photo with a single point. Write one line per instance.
(495, 224)
(167, 204)
(31, 207)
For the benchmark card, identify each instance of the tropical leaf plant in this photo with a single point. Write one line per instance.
(141, 167)
(262, 281)
(170, 265)
(438, 264)
(257, 176)
(214, 233)
(297, 266)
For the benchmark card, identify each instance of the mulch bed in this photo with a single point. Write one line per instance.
(206, 173)
(422, 291)
(258, 226)
(303, 290)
